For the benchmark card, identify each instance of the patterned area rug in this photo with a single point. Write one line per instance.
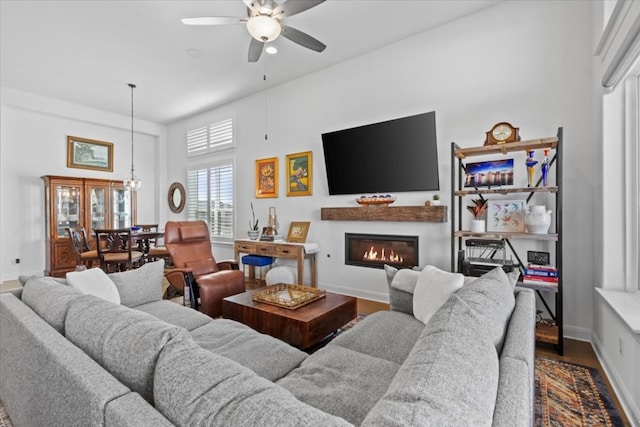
(572, 395)
(4, 417)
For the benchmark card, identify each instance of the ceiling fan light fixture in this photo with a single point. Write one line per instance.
(263, 28)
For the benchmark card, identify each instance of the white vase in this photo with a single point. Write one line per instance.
(253, 234)
(435, 203)
(537, 219)
(477, 226)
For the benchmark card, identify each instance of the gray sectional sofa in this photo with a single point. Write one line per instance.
(72, 359)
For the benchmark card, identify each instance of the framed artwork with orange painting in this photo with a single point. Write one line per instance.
(299, 176)
(267, 178)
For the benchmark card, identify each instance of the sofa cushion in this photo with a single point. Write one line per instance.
(341, 381)
(433, 288)
(194, 386)
(94, 282)
(49, 299)
(450, 378)
(140, 285)
(175, 314)
(266, 356)
(125, 342)
(377, 335)
(491, 297)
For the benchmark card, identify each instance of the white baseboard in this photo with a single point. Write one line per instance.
(577, 333)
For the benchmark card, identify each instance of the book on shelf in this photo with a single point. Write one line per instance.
(538, 280)
(542, 271)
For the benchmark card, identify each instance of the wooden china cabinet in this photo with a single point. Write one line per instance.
(81, 202)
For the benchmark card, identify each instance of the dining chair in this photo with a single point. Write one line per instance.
(116, 250)
(85, 256)
(155, 249)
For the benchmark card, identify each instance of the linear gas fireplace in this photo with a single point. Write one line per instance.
(376, 250)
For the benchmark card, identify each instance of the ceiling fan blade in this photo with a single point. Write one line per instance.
(255, 50)
(303, 39)
(213, 20)
(291, 7)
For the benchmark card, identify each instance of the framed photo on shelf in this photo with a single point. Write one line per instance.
(299, 176)
(267, 178)
(83, 153)
(506, 216)
(298, 231)
(489, 174)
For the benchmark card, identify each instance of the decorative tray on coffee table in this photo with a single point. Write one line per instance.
(288, 296)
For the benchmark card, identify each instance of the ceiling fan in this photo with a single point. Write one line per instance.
(264, 23)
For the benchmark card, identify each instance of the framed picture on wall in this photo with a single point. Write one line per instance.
(299, 176)
(83, 153)
(267, 178)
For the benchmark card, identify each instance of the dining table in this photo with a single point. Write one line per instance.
(144, 238)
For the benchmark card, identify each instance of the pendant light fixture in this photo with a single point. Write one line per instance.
(133, 183)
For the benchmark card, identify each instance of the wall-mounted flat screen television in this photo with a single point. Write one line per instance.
(380, 158)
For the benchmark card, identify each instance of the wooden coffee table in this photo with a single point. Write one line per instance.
(303, 327)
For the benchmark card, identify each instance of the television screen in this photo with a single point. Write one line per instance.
(387, 157)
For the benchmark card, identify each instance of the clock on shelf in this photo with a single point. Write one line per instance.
(502, 133)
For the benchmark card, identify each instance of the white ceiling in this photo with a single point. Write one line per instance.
(85, 52)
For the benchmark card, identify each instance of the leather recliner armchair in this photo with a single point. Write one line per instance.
(189, 245)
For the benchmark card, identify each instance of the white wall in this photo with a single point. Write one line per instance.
(33, 143)
(533, 70)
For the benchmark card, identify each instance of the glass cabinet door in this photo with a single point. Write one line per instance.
(67, 211)
(97, 208)
(122, 208)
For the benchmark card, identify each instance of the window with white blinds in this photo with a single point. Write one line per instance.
(210, 138)
(210, 197)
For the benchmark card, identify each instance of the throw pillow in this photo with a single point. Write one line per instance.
(141, 285)
(94, 282)
(491, 298)
(433, 289)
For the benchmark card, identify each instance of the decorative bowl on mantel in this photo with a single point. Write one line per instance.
(375, 200)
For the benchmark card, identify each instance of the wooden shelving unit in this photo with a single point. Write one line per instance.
(545, 333)
(386, 213)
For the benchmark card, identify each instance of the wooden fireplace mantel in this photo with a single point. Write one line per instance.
(386, 213)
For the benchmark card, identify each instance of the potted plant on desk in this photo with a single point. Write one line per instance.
(253, 226)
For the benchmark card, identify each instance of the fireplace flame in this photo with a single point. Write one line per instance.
(372, 255)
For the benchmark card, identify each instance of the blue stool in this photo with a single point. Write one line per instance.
(254, 261)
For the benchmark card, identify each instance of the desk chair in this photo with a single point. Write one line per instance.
(85, 256)
(115, 250)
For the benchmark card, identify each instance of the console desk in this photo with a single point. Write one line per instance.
(297, 251)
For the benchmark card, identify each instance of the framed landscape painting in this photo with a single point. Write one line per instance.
(299, 174)
(506, 216)
(267, 178)
(85, 153)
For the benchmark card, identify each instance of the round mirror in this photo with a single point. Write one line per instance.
(177, 197)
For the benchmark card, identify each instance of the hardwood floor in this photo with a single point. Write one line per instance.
(578, 352)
